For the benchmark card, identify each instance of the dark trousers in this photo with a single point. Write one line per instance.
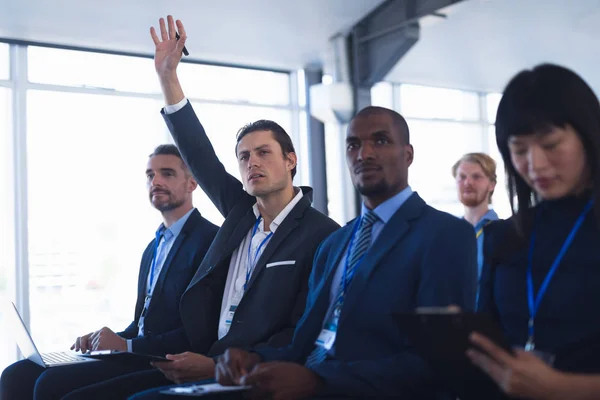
(120, 387)
(25, 380)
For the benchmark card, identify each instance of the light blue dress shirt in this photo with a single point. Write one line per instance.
(168, 238)
(384, 211)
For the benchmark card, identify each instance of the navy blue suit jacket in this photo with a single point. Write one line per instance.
(422, 257)
(162, 323)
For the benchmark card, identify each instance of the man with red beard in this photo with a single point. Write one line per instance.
(475, 175)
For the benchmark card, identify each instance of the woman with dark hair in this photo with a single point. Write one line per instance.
(541, 274)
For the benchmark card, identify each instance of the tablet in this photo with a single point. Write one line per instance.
(198, 390)
(124, 356)
(442, 339)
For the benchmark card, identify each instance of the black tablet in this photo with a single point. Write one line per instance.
(124, 356)
(442, 339)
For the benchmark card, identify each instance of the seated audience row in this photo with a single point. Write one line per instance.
(282, 299)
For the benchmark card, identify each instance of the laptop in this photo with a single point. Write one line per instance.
(29, 349)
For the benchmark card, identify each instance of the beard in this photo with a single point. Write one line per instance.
(474, 201)
(373, 189)
(167, 205)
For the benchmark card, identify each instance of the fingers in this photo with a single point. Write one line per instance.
(163, 30)
(180, 45)
(154, 36)
(222, 374)
(164, 366)
(181, 29)
(491, 348)
(171, 25)
(497, 372)
(257, 375)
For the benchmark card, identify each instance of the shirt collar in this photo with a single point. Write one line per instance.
(388, 208)
(282, 214)
(177, 226)
(488, 216)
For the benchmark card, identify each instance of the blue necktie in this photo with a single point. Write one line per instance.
(359, 248)
(162, 237)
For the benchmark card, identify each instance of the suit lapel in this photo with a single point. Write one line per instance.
(341, 252)
(392, 233)
(218, 252)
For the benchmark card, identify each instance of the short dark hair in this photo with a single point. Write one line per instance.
(169, 150)
(534, 101)
(279, 134)
(397, 119)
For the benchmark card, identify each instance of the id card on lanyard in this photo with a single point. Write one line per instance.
(533, 300)
(327, 336)
(251, 263)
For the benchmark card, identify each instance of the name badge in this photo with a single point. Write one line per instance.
(326, 339)
(230, 314)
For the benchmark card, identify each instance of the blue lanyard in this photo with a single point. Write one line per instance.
(159, 234)
(252, 262)
(347, 278)
(534, 304)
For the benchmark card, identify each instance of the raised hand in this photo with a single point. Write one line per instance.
(168, 49)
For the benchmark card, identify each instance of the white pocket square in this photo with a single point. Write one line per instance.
(279, 263)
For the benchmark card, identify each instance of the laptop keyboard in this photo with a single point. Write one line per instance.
(61, 357)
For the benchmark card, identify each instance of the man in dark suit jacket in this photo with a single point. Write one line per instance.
(250, 290)
(399, 255)
(165, 271)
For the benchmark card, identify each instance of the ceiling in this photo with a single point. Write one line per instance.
(479, 46)
(267, 33)
(483, 43)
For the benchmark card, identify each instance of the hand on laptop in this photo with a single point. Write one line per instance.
(102, 339)
(187, 367)
(233, 365)
(82, 343)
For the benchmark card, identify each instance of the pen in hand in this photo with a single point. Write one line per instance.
(185, 52)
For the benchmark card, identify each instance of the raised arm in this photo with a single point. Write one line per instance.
(223, 189)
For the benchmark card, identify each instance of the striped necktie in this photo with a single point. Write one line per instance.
(358, 249)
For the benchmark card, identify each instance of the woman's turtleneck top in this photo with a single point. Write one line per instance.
(569, 312)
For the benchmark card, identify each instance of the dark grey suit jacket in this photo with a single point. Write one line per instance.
(276, 295)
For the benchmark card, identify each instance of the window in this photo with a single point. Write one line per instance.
(500, 199)
(222, 123)
(438, 145)
(89, 214)
(382, 95)
(438, 103)
(234, 84)
(4, 61)
(91, 70)
(89, 217)
(492, 101)
(8, 351)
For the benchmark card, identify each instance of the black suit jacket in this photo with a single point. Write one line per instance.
(276, 294)
(163, 322)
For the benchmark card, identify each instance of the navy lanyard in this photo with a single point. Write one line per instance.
(252, 262)
(159, 234)
(347, 278)
(534, 303)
